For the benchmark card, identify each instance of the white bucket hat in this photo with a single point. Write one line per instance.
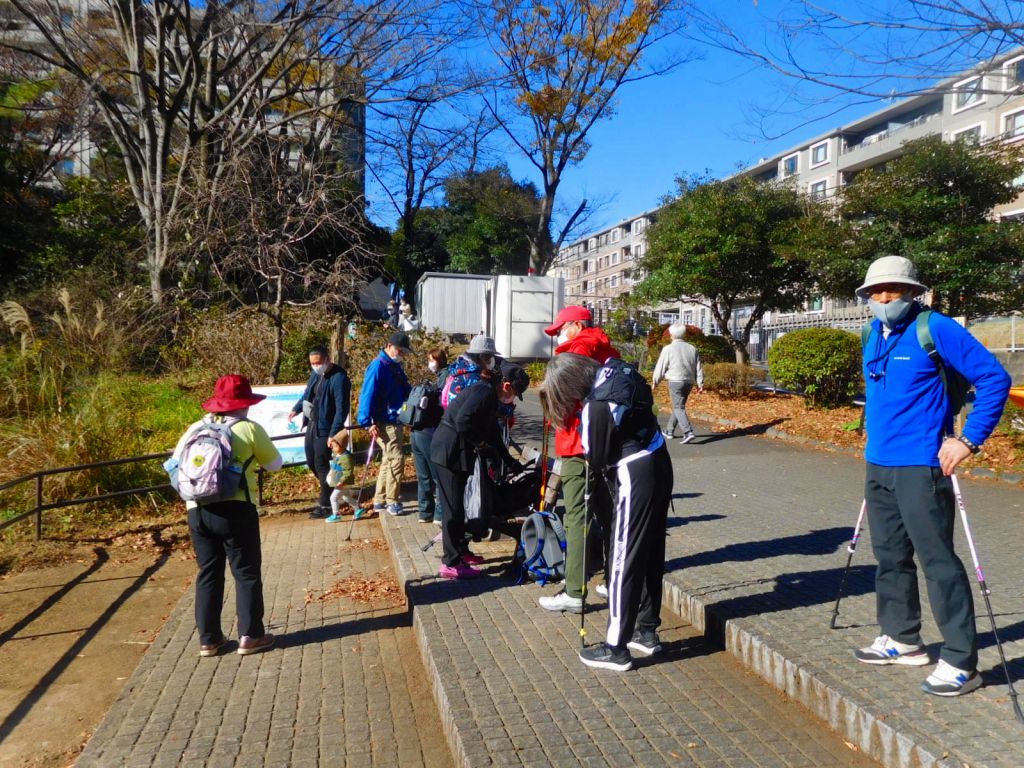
(890, 269)
(482, 345)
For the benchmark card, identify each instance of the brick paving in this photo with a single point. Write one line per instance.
(755, 552)
(344, 686)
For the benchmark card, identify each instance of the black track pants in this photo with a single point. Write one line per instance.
(637, 562)
(451, 487)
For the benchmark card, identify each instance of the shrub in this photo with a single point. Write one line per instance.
(825, 363)
(535, 371)
(712, 349)
(731, 379)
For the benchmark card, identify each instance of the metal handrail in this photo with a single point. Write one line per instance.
(39, 475)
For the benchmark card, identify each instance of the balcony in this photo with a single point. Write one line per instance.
(877, 147)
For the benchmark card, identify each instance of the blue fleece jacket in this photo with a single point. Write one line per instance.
(907, 411)
(385, 388)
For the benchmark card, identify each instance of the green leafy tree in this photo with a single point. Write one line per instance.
(934, 205)
(487, 222)
(725, 244)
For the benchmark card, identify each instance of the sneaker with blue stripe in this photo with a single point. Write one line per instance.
(885, 650)
(947, 680)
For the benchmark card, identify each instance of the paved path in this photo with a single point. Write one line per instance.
(344, 687)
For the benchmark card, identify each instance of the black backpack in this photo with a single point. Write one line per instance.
(622, 383)
(422, 409)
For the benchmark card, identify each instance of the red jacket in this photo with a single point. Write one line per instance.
(594, 343)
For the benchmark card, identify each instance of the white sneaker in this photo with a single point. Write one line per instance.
(688, 438)
(885, 650)
(666, 435)
(602, 589)
(947, 680)
(562, 602)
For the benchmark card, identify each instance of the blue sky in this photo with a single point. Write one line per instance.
(703, 118)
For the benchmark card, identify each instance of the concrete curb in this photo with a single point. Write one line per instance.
(852, 720)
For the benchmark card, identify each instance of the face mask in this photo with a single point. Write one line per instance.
(488, 363)
(319, 369)
(506, 407)
(890, 314)
(432, 365)
(563, 336)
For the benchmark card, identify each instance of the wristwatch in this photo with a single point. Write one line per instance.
(967, 441)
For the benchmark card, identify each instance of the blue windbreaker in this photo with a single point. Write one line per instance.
(385, 388)
(907, 411)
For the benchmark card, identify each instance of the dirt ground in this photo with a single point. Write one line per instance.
(71, 636)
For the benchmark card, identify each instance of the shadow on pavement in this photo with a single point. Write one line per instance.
(675, 522)
(753, 429)
(346, 628)
(820, 542)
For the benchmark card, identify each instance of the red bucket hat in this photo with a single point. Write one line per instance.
(231, 393)
(568, 315)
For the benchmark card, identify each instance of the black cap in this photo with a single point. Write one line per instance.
(402, 341)
(516, 376)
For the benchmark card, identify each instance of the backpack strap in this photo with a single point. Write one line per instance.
(924, 338)
(865, 334)
(229, 423)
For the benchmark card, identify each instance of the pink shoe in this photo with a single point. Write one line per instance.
(459, 571)
(469, 557)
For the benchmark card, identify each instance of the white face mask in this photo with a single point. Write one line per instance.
(489, 363)
(319, 369)
(432, 365)
(563, 336)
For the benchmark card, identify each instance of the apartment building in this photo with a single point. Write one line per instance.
(983, 104)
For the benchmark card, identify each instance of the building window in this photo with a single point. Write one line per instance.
(970, 136)
(592, 243)
(639, 226)
(616, 234)
(614, 281)
(1013, 73)
(1013, 125)
(819, 189)
(790, 165)
(586, 286)
(638, 250)
(66, 167)
(815, 304)
(819, 154)
(968, 93)
(615, 258)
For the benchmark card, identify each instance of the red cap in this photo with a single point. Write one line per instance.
(231, 393)
(568, 315)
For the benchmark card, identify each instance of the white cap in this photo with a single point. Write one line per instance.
(890, 269)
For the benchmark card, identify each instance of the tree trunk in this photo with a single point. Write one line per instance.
(277, 317)
(540, 244)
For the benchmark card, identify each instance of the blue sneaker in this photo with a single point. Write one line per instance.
(395, 509)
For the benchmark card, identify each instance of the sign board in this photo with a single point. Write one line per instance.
(272, 415)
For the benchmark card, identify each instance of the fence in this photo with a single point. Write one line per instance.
(41, 505)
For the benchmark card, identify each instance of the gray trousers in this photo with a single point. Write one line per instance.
(680, 393)
(911, 511)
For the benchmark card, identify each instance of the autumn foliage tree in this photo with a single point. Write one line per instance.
(563, 63)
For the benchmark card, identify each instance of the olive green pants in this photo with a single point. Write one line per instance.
(574, 473)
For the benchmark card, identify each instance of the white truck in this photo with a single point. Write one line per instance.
(513, 309)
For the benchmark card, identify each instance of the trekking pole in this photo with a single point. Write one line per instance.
(851, 548)
(544, 467)
(358, 512)
(985, 592)
(586, 530)
(433, 540)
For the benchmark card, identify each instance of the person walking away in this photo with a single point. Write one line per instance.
(324, 406)
(228, 531)
(679, 365)
(384, 390)
(468, 431)
(426, 476)
(626, 452)
(576, 335)
(910, 453)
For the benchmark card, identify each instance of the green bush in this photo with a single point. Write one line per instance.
(712, 349)
(535, 371)
(731, 379)
(825, 363)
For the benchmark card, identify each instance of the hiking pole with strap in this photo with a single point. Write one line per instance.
(433, 540)
(359, 511)
(851, 548)
(985, 592)
(544, 466)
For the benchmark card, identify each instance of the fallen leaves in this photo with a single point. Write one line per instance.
(380, 589)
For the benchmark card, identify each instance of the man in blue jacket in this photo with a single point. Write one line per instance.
(911, 452)
(385, 389)
(325, 405)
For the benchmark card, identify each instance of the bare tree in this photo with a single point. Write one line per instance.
(563, 65)
(877, 50)
(182, 88)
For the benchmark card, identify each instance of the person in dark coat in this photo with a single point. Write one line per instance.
(324, 406)
(468, 430)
